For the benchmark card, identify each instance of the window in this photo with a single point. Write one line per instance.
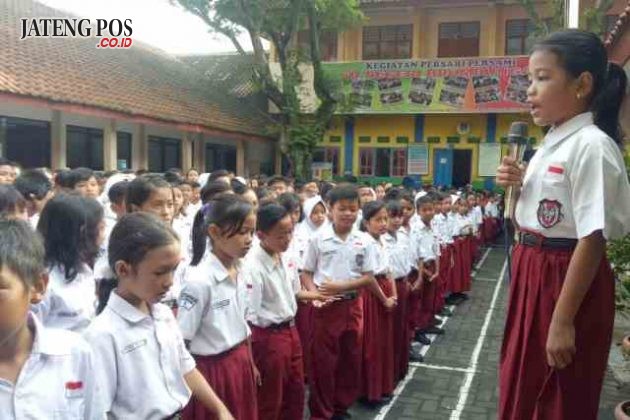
(517, 40)
(387, 42)
(327, 44)
(329, 155)
(459, 39)
(383, 162)
(164, 154)
(84, 147)
(19, 137)
(123, 150)
(219, 156)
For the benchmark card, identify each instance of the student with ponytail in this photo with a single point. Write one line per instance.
(213, 305)
(147, 373)
(574, 197)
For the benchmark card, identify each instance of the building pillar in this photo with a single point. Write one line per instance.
(110, 146)
(200, 153)
(3, 136)
(240, 158)
(58, 141)
(277, 158)
(140, 148)
(186, 146)
(349, 146)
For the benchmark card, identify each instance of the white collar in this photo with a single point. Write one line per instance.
(126, 310)
(42, 342)
(561, 132)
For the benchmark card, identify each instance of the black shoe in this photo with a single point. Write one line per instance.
(341, 416)
(415, 356)
(454, 300)
(435, 322)
(433, 330)
(387, 398)
(422, 339)
(446, 312)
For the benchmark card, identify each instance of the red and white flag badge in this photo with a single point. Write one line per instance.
(74, 389)
(556, 169)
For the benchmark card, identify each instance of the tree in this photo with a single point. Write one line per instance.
(279, 21)
(592, 18)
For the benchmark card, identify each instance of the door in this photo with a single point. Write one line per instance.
(462, 164)
(443, 167)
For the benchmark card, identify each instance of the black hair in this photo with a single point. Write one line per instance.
(21, 250)
(171, 176)
(195, 184)
(263, 193)
(5, 162)
(69, 224)
(118, 192)
(343, 192)
(175, 170)
(291, 202)
(11, 201)
(425, 199)
(325, 188)
(212, 189)
(370, 210)
(393, 194)
(269, 215)
(406, 196)
(580, 51)
(219, 173)
(189, 183)
(79, 175)
(238, 187)
(139, 190)
(33, 184)
(62, 179)
(394, 207)
(276, 179)
(131, 239)
(227, 211)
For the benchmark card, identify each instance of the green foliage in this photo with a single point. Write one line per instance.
(279, 21)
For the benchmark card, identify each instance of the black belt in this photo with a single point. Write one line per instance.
(400, 279)
(282, 325)
(537, 241)
(348, 296)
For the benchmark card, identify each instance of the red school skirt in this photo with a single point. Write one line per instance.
(231, 377)
(414, 302)
(378, 344)
(304, 325)
(460, 279)
(427, 304)
(529, 388)
(402, 338)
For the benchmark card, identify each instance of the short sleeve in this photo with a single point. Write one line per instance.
(193, 301)
(311, 256)
(600, 194)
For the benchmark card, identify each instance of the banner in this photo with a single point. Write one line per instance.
(418, 159)
(451, 85)
(489, 159)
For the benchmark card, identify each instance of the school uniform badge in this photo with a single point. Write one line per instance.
(549, 213)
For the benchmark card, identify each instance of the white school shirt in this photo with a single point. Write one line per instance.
(381, 258)
(429, 245)
(477, 215)
(411, 239)
(142, 360)
(68, 305)
(271, 288)
(576, 184)
(398, 254)
(463, 225)
(328, 256)
(212, 308)
(492, 210)
(58, 380)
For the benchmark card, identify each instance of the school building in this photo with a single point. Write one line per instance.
(447, 138)
(65, 103)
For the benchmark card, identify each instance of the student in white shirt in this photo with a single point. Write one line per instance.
(574, 197)
(44, 373)
(378, 335)
(339, 261)
(73, 229)
(36, 189)
(213, 305)
(273, 288)
(146, 371)
(399, 254)
(441, 226)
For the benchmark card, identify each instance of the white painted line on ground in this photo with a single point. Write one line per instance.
(438, 367)
(399, 389)
(481, 261)
(485, 279)
(474, 359)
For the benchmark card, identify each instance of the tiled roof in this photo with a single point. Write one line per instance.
(622, 24)
(140, 81)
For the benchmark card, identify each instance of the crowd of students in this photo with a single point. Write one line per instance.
(194, 296)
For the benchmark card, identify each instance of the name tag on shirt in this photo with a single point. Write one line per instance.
(134, 346)
(187, 301)
(220, 304)
(74, 389)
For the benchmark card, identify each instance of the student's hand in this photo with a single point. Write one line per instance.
(257, 377)
(433, 277)
(390, 303)
(560, 344)
(510, 173)
(331, 288)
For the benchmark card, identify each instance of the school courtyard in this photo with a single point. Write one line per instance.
(458, 379)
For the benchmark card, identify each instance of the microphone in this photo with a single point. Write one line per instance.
(519, 141)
